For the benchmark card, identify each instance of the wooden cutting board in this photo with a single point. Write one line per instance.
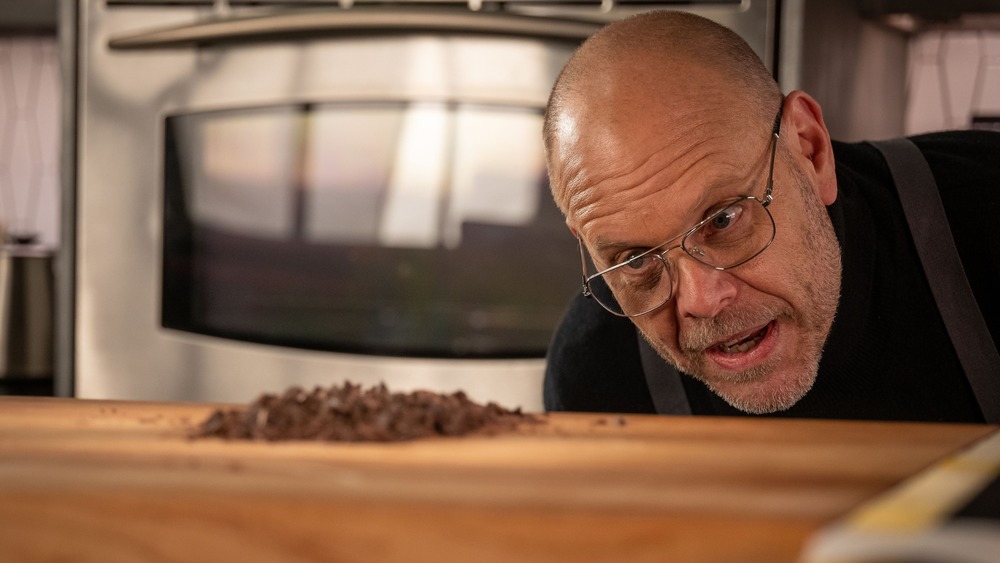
(118, 480)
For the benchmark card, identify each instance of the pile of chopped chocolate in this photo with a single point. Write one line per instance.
(351, 414)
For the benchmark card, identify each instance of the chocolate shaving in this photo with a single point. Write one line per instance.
(349, 413)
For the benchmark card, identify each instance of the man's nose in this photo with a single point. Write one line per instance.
(701, 291)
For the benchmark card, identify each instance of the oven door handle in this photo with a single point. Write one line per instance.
(305, 23)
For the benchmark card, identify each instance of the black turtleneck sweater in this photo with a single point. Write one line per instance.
(888, 356)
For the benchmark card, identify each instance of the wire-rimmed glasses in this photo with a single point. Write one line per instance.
(737, 231)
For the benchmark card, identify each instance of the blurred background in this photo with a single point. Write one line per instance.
(203, 200)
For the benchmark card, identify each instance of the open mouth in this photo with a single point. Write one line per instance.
(744, 344)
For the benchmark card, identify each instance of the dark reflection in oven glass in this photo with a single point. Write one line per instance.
(404, 228)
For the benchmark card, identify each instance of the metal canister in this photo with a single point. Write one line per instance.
(27, 319)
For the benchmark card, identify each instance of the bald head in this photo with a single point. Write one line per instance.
(654, 63)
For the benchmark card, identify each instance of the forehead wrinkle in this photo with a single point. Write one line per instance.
(592, 202)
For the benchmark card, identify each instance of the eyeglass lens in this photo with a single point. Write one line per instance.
(730, 236)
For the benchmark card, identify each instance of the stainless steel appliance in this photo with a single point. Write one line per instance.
(263, 194)
(27, 296)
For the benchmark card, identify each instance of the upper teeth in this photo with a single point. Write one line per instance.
(743, 346)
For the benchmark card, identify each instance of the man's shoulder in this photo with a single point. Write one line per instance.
(593, 363)
(965, 141)
(964, 163)
(950, 154)
(966, 168)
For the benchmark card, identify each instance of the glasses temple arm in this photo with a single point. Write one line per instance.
(583, 265)
(774, 149)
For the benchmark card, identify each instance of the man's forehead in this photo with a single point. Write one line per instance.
(600, 157)
(629, 156)
(640, 168)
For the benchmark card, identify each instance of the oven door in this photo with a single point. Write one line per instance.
(349, 200)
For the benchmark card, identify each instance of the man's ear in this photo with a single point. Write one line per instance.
(809, 141)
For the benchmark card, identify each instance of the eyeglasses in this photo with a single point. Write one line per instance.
(735, 232)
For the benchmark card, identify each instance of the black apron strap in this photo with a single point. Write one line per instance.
(932, 236)
(663, 380)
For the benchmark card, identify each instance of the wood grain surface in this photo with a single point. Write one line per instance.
(84, 480)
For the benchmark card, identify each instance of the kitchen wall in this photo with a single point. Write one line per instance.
(29, 135)
(953, 77)
(854, 66)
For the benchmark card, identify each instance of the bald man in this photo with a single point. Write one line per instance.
(723, 231)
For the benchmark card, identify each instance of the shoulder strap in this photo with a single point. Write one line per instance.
(663, 380)
(936, 248)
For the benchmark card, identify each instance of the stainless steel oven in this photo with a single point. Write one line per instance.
(262, 194)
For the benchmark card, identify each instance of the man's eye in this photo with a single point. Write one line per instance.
(636, 262)
(723, 220)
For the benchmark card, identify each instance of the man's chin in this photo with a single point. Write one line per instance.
(765, 388)
(764, 393)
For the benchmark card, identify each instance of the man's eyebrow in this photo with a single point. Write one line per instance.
(604, 246)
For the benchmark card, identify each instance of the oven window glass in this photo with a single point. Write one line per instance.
(420, 229)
